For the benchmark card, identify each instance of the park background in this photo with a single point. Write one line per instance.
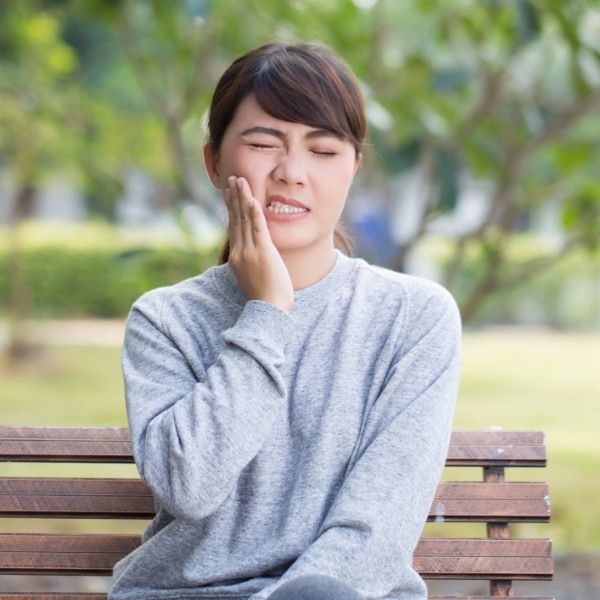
(482, 173)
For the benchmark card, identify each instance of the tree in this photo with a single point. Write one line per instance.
(501, 92)
(507, 92)
(467, 88)
(50, 124)
(35, 62)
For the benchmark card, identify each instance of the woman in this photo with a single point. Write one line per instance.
(291, 408)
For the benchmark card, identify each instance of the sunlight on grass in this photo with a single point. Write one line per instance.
(67, 386)
(547, 381)
(515, 379)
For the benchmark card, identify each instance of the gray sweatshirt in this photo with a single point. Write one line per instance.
(279, 445)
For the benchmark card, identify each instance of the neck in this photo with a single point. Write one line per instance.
(306, 268)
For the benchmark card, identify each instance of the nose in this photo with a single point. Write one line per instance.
(290, 169)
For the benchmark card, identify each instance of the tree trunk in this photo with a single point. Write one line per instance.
(19, 347)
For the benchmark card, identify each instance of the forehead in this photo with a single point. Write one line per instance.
(249, 115)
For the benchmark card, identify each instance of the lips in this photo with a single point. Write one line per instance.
(280, 205)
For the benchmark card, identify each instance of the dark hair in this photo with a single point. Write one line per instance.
(301, 83)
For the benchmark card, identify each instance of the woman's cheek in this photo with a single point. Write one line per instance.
(255, 179)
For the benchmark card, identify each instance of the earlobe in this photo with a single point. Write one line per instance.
(211, 162)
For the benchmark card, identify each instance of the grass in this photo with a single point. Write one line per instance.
(515, 379)
(548, 381)
(68, 385)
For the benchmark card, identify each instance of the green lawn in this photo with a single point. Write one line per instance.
(548, 381)
(512, 378)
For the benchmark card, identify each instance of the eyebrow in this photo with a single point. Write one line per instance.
(315, 133)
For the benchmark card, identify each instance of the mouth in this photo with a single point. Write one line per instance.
(280, 205)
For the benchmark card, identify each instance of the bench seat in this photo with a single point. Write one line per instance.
(498, 557)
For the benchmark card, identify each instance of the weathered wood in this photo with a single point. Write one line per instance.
(75, 498)
(500, 559)
(55, 554)
(59, 444)
(32, 554)
(130, 498)
(112, 444)
(457, 558)
(480, 502)
(497, 448)
(91, 596)
(56, 596)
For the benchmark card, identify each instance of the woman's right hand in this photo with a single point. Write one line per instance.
(256, 263)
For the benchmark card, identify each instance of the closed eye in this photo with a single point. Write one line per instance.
(324, 153)
(261, 146)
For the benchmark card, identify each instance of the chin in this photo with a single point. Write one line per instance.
(286, 241)
(287, 246)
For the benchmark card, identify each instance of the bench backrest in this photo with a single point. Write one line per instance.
(497, 557)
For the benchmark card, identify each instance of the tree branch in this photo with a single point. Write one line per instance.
(397, 262)
(565, 120)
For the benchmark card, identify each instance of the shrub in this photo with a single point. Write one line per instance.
(92, 271)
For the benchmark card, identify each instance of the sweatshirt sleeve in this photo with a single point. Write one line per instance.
(369, 535)
(191, 439)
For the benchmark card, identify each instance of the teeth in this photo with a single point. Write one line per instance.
(280, 208)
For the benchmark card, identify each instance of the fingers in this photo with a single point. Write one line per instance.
(256, 263)
(245, 203)
(239, 201)
(232, 201)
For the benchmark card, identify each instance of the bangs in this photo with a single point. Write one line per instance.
(290, 88)
(304, 83)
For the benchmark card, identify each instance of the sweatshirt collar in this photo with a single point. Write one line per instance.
(337, 276)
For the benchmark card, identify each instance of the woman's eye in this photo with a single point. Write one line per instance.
(261, 146)
(324, 153)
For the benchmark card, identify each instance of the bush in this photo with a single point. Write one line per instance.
(92, 271)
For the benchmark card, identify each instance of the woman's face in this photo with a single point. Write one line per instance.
(299, 175)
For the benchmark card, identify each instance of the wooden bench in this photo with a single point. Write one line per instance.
(495, 556)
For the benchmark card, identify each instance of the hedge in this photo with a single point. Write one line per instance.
(97, 275)
(95, 270)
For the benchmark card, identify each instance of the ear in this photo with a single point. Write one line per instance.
(357, 163)
(211, 162)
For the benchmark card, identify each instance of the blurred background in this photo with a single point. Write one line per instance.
(482, 174)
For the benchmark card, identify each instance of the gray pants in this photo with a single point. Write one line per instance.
(315, 587)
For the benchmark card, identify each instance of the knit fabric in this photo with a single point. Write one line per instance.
(281, 445)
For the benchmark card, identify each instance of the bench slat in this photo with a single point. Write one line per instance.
(75, 498)
(497, 448)
(93, 596)
(520, 559)
(130, 498)
(103, 434)
(66, 444)
(112, 444)
(512, 502)
(483, 437)
(434, 558)
(66, 596)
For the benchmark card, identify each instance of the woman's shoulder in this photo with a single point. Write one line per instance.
(411, 303)
(411, 288)
(212, 286)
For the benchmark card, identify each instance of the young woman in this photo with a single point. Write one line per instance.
(291, 408)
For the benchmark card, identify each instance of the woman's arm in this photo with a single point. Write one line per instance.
(369, 535)
(191, 439)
